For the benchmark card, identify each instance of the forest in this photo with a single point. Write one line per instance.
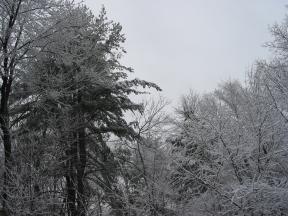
(74, 142)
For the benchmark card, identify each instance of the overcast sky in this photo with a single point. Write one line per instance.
(193, 44)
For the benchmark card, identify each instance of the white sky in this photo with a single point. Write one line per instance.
(193, 44)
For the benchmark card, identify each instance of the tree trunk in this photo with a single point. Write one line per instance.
(81, 202)
(5, 124)
(71, 180)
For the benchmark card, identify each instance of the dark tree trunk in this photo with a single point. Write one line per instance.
(71, 196)
(81, 160)
(4, 121)
(8, 66)
(81, 201)
(71, 179)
